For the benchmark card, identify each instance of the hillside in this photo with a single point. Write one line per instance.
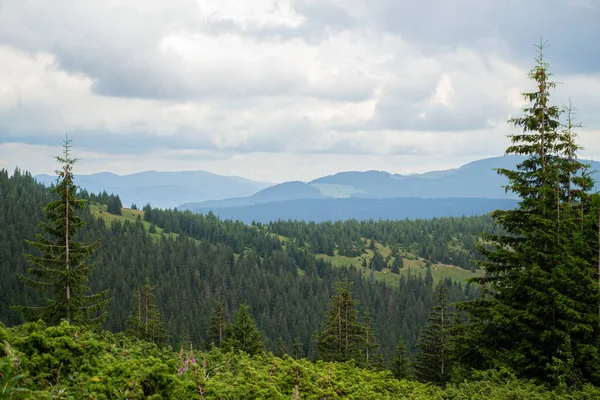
(413, 265)
(320, 210)
(282, 192)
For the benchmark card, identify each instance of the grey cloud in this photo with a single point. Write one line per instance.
(320, 17)
(119, 52)
(506, 27)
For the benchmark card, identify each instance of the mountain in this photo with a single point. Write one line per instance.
(165, 189)
(320, 210)
(283, 192)
(477, 179)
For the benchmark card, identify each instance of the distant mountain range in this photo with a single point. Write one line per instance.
(477, 179)
(165, 189)
(474, 188)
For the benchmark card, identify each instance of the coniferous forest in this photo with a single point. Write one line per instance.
(97, 301)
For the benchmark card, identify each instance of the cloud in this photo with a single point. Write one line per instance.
(216, 81)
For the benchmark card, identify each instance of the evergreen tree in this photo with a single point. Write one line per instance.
(342, 339)
(397, 265)
(371, 356)
(298, 350)
(217, 328)
(145, 322)
(431, 362)
(243, 334)
(61, 271)
(541, 287)
(378, 262)
(114, 205)
(280, 349)
(399, 365)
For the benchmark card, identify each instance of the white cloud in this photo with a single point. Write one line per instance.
(219, 83)
(255, 14)
(444, 92)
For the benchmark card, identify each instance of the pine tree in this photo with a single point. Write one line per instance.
(114, 205)
(243, 334)
(298, 349)
(377, 262)
(342, 339)
(61, 271)
(397, 265)
(372, 357)
(280, 349)
(217, 328)
(541, 288)
(399, 365)
(431, 362)
(145, 322)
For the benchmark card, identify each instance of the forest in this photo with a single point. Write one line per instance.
(100, 301)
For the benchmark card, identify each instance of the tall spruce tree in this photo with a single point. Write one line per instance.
(541, 289)
(58, 267)
(399, 365)
(432, 362)
(372, 357)
(243, 335)
(145, 322)
(217, 328)
(343, 337)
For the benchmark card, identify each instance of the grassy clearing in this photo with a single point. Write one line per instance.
(412, 264)
(100, 211)
(336, 191)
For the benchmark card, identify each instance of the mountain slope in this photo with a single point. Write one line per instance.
(283, 192)
(477, 179)
(319, 210)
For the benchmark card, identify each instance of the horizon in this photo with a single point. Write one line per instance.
(258, 180)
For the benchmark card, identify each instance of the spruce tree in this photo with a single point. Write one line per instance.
(217, 328)
(342, 339)
(145, 322)
(280, 348)
(397, 264)
(431, 362)
(298, 349)
(399, 365)
(243, 335)
(114, 205)
(372, 357)
(58, 267)
(541, 289)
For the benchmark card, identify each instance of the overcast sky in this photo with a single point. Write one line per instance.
(277, 90)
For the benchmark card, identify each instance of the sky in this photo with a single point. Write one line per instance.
(278, 90)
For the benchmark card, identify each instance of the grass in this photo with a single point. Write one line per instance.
(100, 211)
(412, 264)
